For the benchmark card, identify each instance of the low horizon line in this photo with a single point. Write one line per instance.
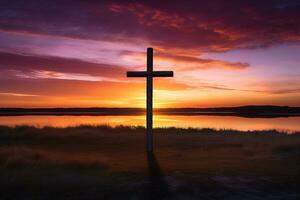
(93, 107)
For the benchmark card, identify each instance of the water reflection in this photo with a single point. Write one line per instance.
(289, 124)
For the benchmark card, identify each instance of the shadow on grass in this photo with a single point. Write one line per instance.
(158, 188)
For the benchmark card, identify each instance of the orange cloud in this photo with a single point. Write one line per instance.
(186, 63)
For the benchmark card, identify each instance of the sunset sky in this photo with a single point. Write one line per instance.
(76, 53)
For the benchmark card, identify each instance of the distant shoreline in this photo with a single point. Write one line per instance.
(242, 111)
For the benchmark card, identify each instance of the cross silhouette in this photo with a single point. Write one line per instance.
(149, 74)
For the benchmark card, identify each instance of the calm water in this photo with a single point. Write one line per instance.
(289, 124)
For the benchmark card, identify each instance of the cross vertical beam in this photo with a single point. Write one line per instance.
(149, 74)
(149, 100)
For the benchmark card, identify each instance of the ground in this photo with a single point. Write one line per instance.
(100, 162)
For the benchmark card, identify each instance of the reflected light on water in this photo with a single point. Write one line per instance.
(288, 124)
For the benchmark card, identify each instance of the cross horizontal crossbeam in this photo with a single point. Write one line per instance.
(151, 74)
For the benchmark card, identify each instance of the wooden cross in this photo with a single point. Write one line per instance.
(149, 74)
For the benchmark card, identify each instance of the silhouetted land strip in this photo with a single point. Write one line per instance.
(101, 162)
(243, 111)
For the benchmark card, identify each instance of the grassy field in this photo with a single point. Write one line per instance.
(101, 162)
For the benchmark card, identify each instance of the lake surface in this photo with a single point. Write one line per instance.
(288, 124)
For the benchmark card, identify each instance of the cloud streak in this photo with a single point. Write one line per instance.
(18, 94)
(185, 62)
(42, 74)
(27, 63)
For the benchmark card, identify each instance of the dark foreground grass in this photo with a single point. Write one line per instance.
(101, 162)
